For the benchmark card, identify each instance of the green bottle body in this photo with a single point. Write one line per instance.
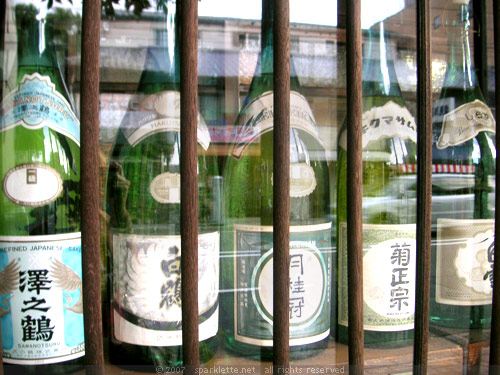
(464, 154)
(143, 198)
(40, 240)
(389, 207)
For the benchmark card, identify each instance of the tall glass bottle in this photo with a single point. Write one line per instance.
(247, 295)
(143, 194)
(41, 310)
(463, 187)
(389, 205)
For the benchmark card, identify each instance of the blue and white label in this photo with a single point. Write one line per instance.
(36, 103)
(41, 307)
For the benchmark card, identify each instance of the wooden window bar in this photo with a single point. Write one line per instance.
(91, 270)
(189, 181)
(281, 189)
(354, 182)
(189, 95)
(424, 188)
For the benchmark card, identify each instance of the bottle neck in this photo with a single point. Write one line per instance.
(37, 49)
(162, 65)
(460, 72)
(379, 74)
(267, 54)
(267, 37)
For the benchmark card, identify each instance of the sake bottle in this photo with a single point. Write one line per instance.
(143, 194)
(247, 259)
(463, 187)
(388, 202)
(41, 310)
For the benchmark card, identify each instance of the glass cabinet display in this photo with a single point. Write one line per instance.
(140, 185)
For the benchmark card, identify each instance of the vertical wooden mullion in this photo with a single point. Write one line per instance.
(189, 182)
(281, 187)
(355, 186)
(91, 260)
(495, 312)
(424, 187)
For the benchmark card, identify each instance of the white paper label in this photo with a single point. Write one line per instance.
(465, 123)
(32, 185)
(41, 301)
(464, 261)
(147, 288)
(389, 266)
(158, 113)
(389, 121)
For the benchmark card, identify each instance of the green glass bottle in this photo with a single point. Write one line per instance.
(247, 295)
(463, 189)
(143, 195)
(41, 310)
(389, 203)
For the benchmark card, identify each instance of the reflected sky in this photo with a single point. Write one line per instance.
(315, 12)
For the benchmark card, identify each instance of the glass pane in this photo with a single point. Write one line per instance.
(140, 184)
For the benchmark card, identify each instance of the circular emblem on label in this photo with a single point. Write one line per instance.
(167, 104)
(32, 185)
(307, 284)
(302, 180)
(474, 262)
(166, 188)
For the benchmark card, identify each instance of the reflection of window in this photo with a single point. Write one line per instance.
(249, 41)
(161, 37)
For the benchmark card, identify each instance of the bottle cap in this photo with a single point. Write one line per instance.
(464, 2)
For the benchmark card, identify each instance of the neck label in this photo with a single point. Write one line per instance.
(36, 103)
(464, 123)
(389, 121)
(159, 113)
(257, 118)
